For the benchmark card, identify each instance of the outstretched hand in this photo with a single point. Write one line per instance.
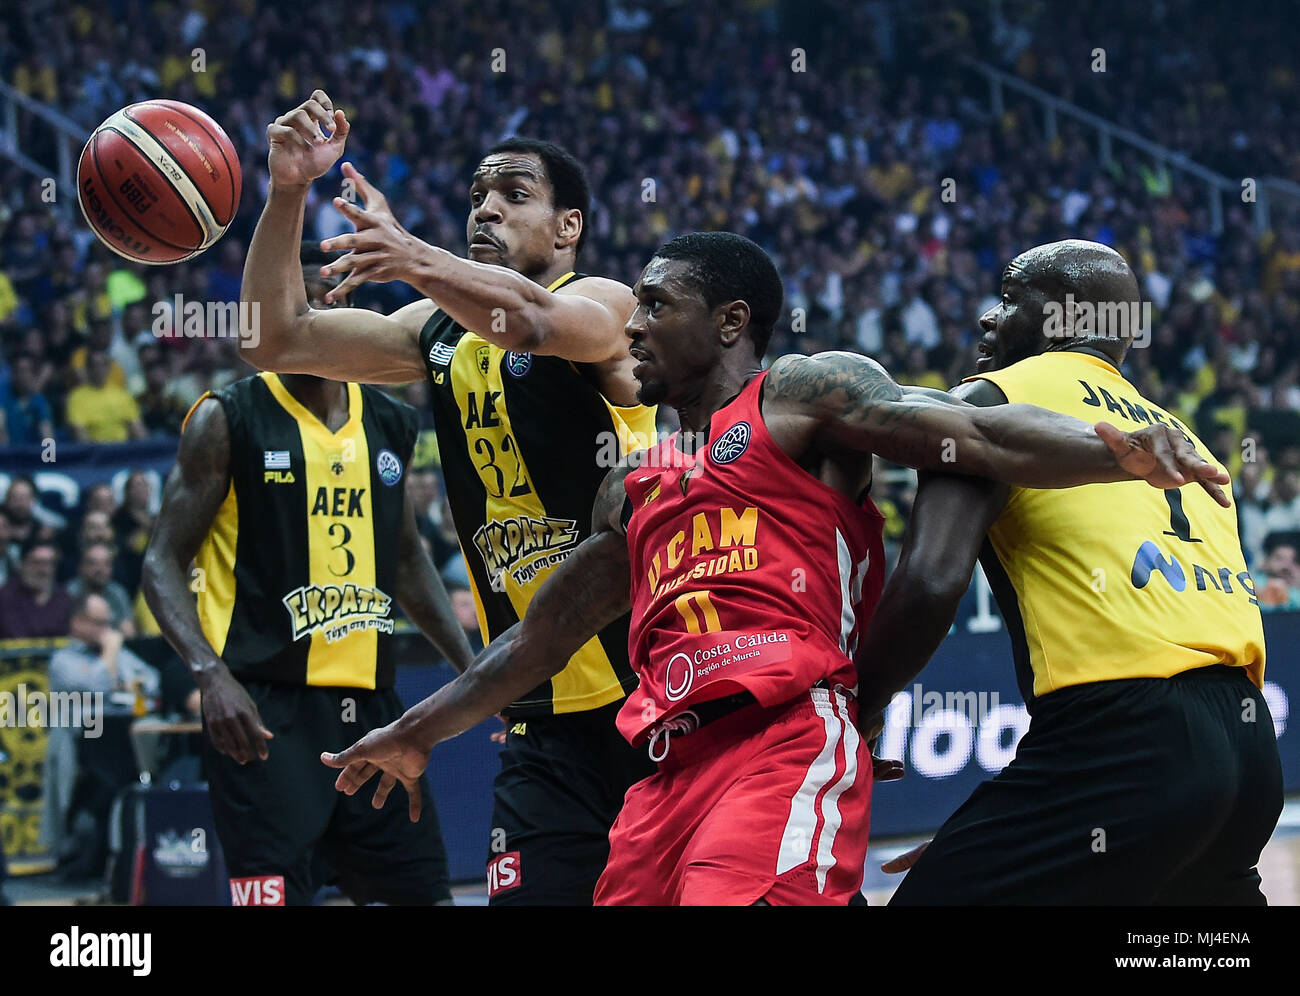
(379, 250)
(1164, 458)
(385, 750)
(307, 141)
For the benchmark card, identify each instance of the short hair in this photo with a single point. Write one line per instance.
(82, 599)
(726, 267)
(35, 542)
(568, 180)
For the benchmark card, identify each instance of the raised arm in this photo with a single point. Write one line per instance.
(590, 590)
(286, 334)
(950, 516)
(195, 489)
(583, 321)
(844, 401)
(423, 597)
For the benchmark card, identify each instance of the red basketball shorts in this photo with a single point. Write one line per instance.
(769, 804)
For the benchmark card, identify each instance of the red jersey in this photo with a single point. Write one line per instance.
(748, 573)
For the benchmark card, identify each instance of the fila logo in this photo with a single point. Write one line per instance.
(277, 477)
(504, 873)
(261, 890)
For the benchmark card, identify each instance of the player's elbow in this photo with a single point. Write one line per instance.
(933, 586)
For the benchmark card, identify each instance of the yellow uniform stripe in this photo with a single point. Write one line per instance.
(589, 680)
(215, 580)
(341, 549)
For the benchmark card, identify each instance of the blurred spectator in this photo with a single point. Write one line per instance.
(95, 576)
(1277, 581)
(462, 603)
(133, 524)
(27, 416)
(1251, 491)
(102, 412)
(33, 604)
(94, 662)
(423, 491)
(1283, 515)
(27, 518)
(161, 411)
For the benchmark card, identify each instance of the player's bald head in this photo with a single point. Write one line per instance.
(1087, 272)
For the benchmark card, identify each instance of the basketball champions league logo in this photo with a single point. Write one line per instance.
(728, 447)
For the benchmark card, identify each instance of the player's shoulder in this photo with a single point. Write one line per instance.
(979, 391)
(606, 290)
(796, 377)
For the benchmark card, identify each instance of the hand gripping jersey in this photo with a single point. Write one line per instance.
(748, 574)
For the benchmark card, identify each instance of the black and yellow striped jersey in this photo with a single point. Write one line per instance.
(295, 578)
(525, 442)
(1119, 580)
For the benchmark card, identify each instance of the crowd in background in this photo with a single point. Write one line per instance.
(846, 138)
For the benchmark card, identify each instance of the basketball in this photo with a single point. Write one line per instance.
(158, 182)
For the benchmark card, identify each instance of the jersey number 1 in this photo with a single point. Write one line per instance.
(1178, 524)
(706, 612)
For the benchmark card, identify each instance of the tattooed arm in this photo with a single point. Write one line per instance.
(844, 401)
(590, 590)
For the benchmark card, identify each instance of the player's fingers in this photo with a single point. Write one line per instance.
(360, 274)
(385, 786)
(322, 98)
(219, 741)
(254, 734)
(886, 770)
(370, 196)
(324, 119)
(414, 800)
(354, 776)
(341, 128)
(904, 861)
(282, 134)
(241, 749)
(303, 123)
(342, 759)
(337, 243)
(1168, 466)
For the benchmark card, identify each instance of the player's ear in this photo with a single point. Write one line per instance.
(568, 228)
(733, 319)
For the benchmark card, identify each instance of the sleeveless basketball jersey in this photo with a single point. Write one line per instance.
(748, 573)
(1111, 581)
(299, 567)
(525, 442)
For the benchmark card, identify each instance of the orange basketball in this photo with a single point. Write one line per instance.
(159, 182)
